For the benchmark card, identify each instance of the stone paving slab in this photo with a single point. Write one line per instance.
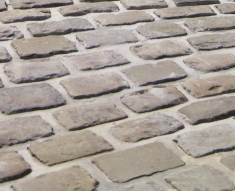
(9, 33)
(227, 8)
(4, 55)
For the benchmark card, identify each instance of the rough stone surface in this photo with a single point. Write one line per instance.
(13, 166)
(209, 110)
(104, 37)
(229, 161)
(161, 29)
(43, 47)
(29, 128)
(69, 179)
(200, 178)
(210, 140)
(22, 72)
(152, 158)
(9, 33)
(210, 86)
(4, 55)
(211, 63)
(210, 23)
(227, 8)
(68, 147)
(59, 27)
(143, 4)
(146, 127)
(24, 15)
(153, 99)
(213, 41)
(97, 60)
(80, 117)
(94, 85)
(154, 74)
(184, 12)
(27, 4)
(3, 6)
(28, 98)
(193, 2)
(85, 8)
(160, 50)
(125, 18)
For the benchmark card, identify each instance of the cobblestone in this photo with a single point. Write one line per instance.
(161, 72)
(24, 15)
(227, 8)
(69, 179)
(200, 176)
(146, 4)
(3, 6)
(146, 127)
(228, 161)
(69, 147)
(193, 2)
(4, 55)
(153, 99)
(75, 118)
(59, 27)
(9, 33)
(152, 158)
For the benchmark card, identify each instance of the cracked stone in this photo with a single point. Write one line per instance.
(68, 147)
(80, 117)
(146, 127)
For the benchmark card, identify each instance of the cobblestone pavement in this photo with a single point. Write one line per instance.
(129, 95)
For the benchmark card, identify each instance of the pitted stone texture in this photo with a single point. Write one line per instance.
(137, 162)
(28, 98)
(68, 147)
(210, 23)
(43, 46)
(143, 4)
(146, 127)
(97, 60)
(193, 2)
(3, 6)
(4, 55)
(229, 161)
(163, 49)
(94, 85)
(184, 12)
(22, 72)
(213, 41)
(200, 178)
(211, 63)
(12, 16)
(226, 8)
(85, 8)
(9, 33)
(23, 129)
(161, 72)
(69, 179)
(59, 27)
(209, 110)
(210, 86)
(104, 37)
(161, 29)
(13, 166)
(27, 4)
(217, 138)
(125, 18)
(153, 99)
(80, 117)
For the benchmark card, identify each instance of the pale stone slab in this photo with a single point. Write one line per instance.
(209, 110)
(69, 179)
(200, 178)
(137, 162)
(156, 98)
(80, 117)
(229, 161)
(23, 129)
(68, 147)
(22, 72)
(207, 141)
(226, 8)
(143, 4)
(9, 33)
(4, 55)
(146, 127)
(161, 72)
(3, 6)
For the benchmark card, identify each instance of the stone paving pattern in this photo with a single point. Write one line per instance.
(129, 95)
